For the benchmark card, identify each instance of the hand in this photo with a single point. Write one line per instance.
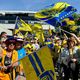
(4, 67)
(74, 60)
(73, 35)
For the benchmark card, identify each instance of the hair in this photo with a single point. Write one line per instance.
(70, 40)
(3, 33)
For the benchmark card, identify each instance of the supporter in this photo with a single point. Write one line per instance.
(3, 36)
(3, 76)
(10, 58)
(36, 44)
(3, 45)
(33, 45)
(21, 53)
(69, 59)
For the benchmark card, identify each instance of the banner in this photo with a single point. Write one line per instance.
(39, 65)
(52, 17)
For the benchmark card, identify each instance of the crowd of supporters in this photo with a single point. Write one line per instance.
(65, 54)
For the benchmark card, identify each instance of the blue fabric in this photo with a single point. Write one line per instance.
(51, 45)
(62, 15)
(21, 53)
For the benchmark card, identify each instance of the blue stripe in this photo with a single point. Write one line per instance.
(48, 74)
(33, 64)
(38, 61)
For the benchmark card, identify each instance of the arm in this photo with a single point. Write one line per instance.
(77, 39)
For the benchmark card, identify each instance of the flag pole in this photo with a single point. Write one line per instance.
(66, 31)
(15, 24)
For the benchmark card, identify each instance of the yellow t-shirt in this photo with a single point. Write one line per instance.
(4, 76)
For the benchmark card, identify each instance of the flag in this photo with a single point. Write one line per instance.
(40, 36)
(69, 21)
(50, 32)
(20, 25)
(38, 31)
(20, 35)
(24, 26)
(36, 27)
(49, 16)
(39, 65)
(16, 30)
(60, 6)
(73, 28)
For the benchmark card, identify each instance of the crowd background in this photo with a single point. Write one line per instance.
(65, 53)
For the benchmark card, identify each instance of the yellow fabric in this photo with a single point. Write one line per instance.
(46, 13)
(64, 42)
(29, 48)
(73, 28)
(79, 46)
(69, 22)
(50, 32)
(4, 52)
(14, 59)
(16, 31)
(48, 43)
(60, 5)
(57, 47)
(46, 62)
(4, 76)
(36, 26)
(14, 56)
(24, 26)
(20, 35)
(40, 36)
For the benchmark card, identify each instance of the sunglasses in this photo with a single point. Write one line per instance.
(11, 44)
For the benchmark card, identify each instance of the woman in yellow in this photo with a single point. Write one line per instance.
(9, 60)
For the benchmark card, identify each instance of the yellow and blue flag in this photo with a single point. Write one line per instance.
(39, 65)
(52, 17)
(20, 25)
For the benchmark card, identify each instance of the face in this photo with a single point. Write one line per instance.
(4, 35)
(3, 45)
(18, 45)
(71, 44)
(11, 46)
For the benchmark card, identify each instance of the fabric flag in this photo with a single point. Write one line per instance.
(20, 25)
(60, 6)
(16, 30)
(38, 31)
(24, 26)
(49, 16)
(73, 28)
(39, 65)
(68, 22)
(36, 27)
(20, 35)
(50, 32)
(40, 36)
